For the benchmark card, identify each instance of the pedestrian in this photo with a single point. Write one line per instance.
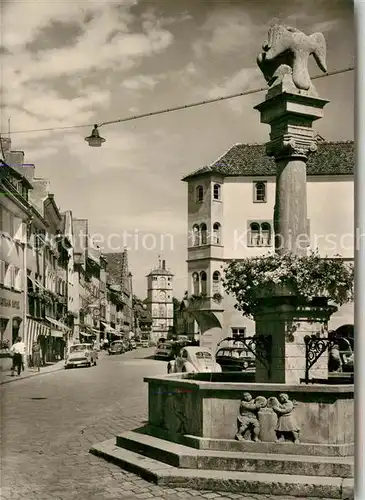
(18, 351)
(36, 355)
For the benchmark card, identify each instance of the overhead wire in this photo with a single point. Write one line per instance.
(176, 108)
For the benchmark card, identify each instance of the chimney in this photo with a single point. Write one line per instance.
(6, 145)
(163, 264)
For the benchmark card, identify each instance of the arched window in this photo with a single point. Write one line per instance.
(216, 233)
(203, 234)
(216, 282)
(196, 235)
(196, 287)
(162, 283)
(216, 192)
(260, 191)
(203, 279)
(265, 234)
(254, 234)
(199, 193)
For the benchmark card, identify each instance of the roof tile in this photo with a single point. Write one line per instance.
(250, 160)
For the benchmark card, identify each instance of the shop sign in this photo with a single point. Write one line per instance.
(15, 304)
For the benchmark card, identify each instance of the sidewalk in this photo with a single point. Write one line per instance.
(5, 377)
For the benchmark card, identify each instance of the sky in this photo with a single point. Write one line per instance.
(83, 62)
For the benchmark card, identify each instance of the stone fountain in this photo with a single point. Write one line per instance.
(274, 435)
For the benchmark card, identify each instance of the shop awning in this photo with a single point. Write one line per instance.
(34, 330)
(56, 333)
(58, 324)
(108, 328)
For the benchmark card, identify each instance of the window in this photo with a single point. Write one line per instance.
(216, 192)
(238, 331)
(265, 234)
(203, 279)
(12, 276)
(199, 193)
(259, 194)
(196, 284)
(196, 235)
(216, 282)
(203, 234)
(216, 233)
(2, 272)
(254, 235)
(260, 234)
(17, 279)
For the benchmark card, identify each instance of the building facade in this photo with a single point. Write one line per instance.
(230, 217)
(15, 214)
(160, 301)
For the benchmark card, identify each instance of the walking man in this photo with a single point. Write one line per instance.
(18, 351)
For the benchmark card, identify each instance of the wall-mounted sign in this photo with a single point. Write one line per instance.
(15, 304)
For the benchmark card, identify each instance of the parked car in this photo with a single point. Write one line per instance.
(117, 347)
(145, 343)
(81, 355)
(133, 344)
(194, 359)
(164, 351)
(235, 359)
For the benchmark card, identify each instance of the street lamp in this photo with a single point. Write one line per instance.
(95, 140)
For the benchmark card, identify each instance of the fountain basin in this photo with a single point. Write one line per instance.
(205, 412)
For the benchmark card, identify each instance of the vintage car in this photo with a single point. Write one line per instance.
(145, 343)
(133, 344)
(193, 359)
(235, 359)
(81, 355)
(117, 347)
(164, 351)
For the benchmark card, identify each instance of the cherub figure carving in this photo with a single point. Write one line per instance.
(287, 52)
(247, 420)
(287, 428)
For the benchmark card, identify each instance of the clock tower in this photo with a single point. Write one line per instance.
(159, 300)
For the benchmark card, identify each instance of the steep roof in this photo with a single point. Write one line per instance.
(250, 160)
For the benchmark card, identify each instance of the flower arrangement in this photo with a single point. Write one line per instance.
(309, 277)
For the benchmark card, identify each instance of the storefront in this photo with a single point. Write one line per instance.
(11, 316)
(57, 340)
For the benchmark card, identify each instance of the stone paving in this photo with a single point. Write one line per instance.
(49, 423)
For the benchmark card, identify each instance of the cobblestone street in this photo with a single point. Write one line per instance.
(49, 423)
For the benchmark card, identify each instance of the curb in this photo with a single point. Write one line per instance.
(29, 375)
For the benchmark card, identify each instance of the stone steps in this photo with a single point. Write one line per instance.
(181, 456)
(217, 480)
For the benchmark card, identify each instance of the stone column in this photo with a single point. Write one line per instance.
(290, 116)
(290, 112)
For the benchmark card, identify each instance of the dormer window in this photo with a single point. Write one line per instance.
(217, 192)
(199, 194)
(259, 193)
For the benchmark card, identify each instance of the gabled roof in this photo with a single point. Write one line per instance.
(250, 160)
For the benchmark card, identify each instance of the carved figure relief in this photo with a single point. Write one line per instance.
(287, 52)
(285, 425)
(287, 428)
(247, 420)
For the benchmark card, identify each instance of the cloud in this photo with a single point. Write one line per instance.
(224, 31)
(141, 82)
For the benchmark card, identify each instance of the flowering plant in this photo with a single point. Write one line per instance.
(309, 277)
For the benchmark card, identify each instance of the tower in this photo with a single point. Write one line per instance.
(159, 300)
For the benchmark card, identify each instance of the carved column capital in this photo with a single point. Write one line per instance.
(291, 146)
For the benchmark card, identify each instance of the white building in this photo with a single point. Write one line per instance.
(159, 301)
(230, 217)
